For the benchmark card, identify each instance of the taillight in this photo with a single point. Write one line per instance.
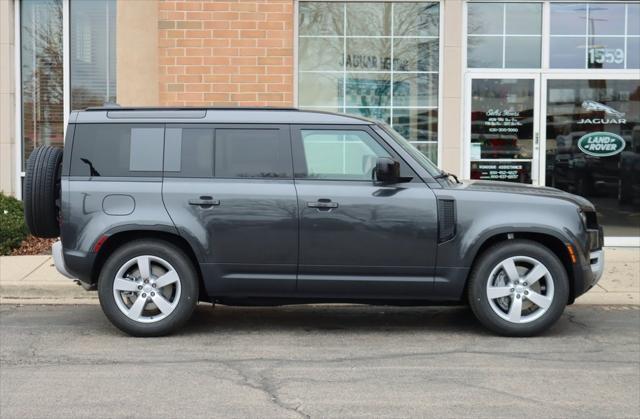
(99, 243)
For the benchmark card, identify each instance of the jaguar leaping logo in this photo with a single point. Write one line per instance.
(592, 105)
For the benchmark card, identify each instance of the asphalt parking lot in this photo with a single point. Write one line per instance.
(318, 361)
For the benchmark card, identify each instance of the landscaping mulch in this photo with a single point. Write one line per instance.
(34, 246)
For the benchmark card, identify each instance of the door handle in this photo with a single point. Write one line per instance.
(204, 202)
(323, 204)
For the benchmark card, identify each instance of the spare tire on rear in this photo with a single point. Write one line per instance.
(42, 191)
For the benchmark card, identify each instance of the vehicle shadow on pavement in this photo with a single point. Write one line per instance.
(347, 318)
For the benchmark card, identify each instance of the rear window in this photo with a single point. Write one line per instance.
(252, 153)
(188, 152)
(117, 150)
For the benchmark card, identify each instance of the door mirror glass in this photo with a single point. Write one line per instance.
(387, 170)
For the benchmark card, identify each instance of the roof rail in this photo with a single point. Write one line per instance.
(184, 108)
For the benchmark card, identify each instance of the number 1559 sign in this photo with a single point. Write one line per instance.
(606, 55)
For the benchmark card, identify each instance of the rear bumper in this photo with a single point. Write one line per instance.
(67, 269)
(58, 259)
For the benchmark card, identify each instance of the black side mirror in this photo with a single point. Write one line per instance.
(387, 170)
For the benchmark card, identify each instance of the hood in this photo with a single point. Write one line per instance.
(524, 189)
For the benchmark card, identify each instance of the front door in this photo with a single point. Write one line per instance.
(357, 238)
(502, 128)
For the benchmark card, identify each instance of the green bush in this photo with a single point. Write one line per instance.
(12, 226)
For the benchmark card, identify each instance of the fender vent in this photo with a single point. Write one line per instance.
(446, 219)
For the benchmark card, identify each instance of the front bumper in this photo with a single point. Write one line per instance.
(596, 260)
(58, 259)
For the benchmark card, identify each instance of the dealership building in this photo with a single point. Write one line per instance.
(537, 92)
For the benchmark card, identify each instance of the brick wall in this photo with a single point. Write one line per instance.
(226, 53)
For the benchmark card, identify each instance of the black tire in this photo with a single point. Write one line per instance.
(185, 303)
(42, 192)
(480, 276)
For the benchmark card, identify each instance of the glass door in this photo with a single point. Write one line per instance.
(502, 132)
(591, 145)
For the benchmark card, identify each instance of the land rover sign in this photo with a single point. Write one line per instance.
(601, 144)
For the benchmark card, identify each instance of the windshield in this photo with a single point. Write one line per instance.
(423, 160)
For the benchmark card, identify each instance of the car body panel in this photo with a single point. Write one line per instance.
(379, 241)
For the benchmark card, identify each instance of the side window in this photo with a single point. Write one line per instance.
(252, 153)
(118, 150)
(188, 152)
(340, 154)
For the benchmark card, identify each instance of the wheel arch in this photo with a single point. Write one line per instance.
(550, 241)
(119, 238)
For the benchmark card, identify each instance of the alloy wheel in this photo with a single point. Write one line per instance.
(147, 289)
(520, 289)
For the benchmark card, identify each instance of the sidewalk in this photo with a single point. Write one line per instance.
(34, 280)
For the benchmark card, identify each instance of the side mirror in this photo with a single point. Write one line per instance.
(387, 170)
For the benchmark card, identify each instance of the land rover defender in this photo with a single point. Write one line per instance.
(158, 209)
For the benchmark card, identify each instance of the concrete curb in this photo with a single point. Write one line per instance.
(34, 280)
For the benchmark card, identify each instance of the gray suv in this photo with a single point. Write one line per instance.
(158, 209)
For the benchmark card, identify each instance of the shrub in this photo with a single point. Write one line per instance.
(12, 226)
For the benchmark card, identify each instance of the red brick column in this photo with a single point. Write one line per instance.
(226, 53)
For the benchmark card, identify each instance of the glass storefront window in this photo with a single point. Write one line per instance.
(374, 59)
(92, 52)
(92, 65)
(41, 74)
(504, 35)
(594, 35)
(593, 147)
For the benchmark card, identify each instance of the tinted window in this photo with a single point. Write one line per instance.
(117, 150)
(252, 153)
(340, 154)
(189, 152)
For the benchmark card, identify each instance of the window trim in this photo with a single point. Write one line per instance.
(17, 62)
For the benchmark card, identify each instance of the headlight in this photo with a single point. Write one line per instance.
(583, 217)
(589, 219)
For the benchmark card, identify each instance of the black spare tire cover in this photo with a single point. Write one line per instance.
(42, 191)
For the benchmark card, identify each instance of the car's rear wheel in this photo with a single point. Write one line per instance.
(42, 191)
(518, 288)
(148, 288)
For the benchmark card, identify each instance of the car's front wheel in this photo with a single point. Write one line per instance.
(148, 288)
(518, 288)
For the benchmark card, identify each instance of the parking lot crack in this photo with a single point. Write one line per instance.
(264, 383)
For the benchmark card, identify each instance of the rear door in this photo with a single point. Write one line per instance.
(360, 239)
(230, 190)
